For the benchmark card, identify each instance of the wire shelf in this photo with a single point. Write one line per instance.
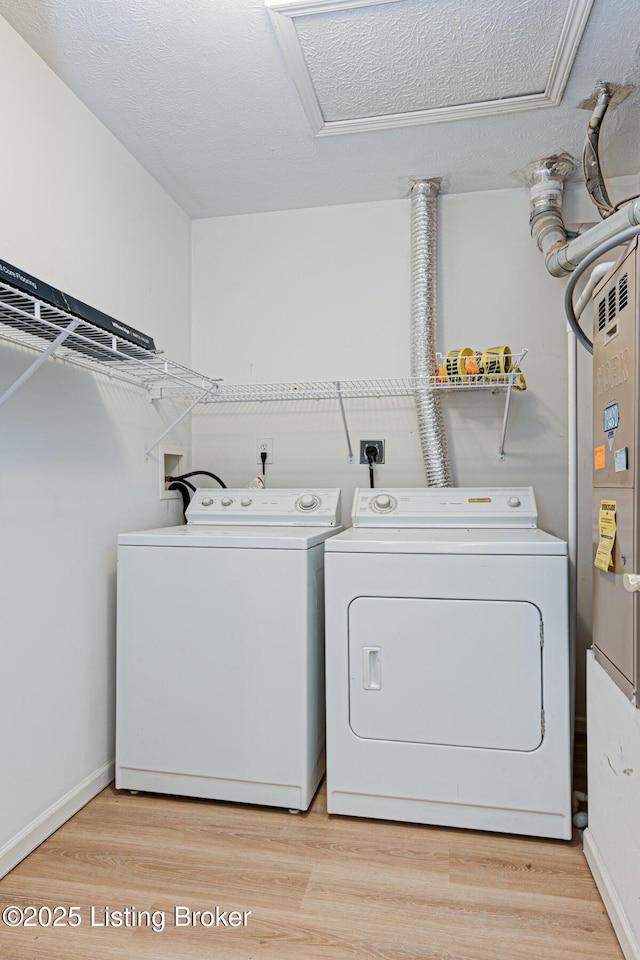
(373, 388)
(30, 322)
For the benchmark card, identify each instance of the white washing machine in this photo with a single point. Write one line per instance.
(447, 657)
(220, 649)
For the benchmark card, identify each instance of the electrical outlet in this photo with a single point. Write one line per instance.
(378, 444)
(263, 446)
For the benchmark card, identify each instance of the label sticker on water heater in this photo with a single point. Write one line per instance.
(607, 528)
(611, 417)
(599, 458)
(621, 459)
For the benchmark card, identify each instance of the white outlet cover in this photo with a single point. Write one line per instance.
(264, 444)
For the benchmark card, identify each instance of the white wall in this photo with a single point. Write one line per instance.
(79, 213)
(324, 294)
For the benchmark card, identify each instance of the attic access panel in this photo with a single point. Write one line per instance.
(362, 65)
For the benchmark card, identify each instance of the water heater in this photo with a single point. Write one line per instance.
(616, 511)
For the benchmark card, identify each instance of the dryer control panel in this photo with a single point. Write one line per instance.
(447, 507)
(278, 507)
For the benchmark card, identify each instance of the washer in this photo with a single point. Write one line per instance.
(447, 654)
(220, 649)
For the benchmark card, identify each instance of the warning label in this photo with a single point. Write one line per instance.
(607, 528)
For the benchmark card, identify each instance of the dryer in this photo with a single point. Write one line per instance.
(448, 662)
(220, 649)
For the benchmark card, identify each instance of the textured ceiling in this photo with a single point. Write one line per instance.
(398, 57)
(199, 92)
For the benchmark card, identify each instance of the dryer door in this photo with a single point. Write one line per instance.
(457, 672)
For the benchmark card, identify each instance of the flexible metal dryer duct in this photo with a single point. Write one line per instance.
(424, 214)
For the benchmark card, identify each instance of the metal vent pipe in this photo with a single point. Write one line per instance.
(424, 242)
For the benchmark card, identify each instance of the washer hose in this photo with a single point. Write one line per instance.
(199, 473)
(184, 493)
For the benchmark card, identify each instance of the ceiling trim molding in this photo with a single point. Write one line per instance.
(283, 12)
(570, 37)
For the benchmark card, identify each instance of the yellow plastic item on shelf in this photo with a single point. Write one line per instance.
(455, 363)
(494, 365)
(519, 383)
(495, 360)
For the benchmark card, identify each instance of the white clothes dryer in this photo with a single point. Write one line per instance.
(448, 662)
(220, 649)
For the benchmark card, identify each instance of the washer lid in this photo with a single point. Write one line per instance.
(227, 537)
(495, 542)
(445, 507)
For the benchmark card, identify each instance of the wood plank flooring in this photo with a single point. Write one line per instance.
(318, 888)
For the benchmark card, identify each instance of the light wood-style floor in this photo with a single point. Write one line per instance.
(318, 888)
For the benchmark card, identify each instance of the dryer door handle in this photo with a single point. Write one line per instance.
(371, 679)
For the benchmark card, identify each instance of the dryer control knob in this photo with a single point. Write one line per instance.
(246, 501)
(206, 501)
(631, 582)
(383, 501)
(308, 502)
(226, 501)
(514, 502)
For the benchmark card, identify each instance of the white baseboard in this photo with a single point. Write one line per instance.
(48, 822)
(619, 922)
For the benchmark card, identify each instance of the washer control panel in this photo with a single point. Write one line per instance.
(278, 507)
(445, 507)
(383, 503)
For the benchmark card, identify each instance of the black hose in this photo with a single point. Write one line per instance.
(371, 454)
(201, 473)
(185, 496)
(584, 264)
(185, 482)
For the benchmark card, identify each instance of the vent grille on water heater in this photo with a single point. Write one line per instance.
(602, 314)
(623, 294)
(610, 305)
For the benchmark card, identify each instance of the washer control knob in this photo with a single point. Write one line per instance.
(631, 582)
(226, 501)
(514, 502)
(383, 501)
(246, 501)
(206, 501)
(308, 501)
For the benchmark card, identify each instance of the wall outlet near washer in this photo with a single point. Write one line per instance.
(378, 444)
(263, 446)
